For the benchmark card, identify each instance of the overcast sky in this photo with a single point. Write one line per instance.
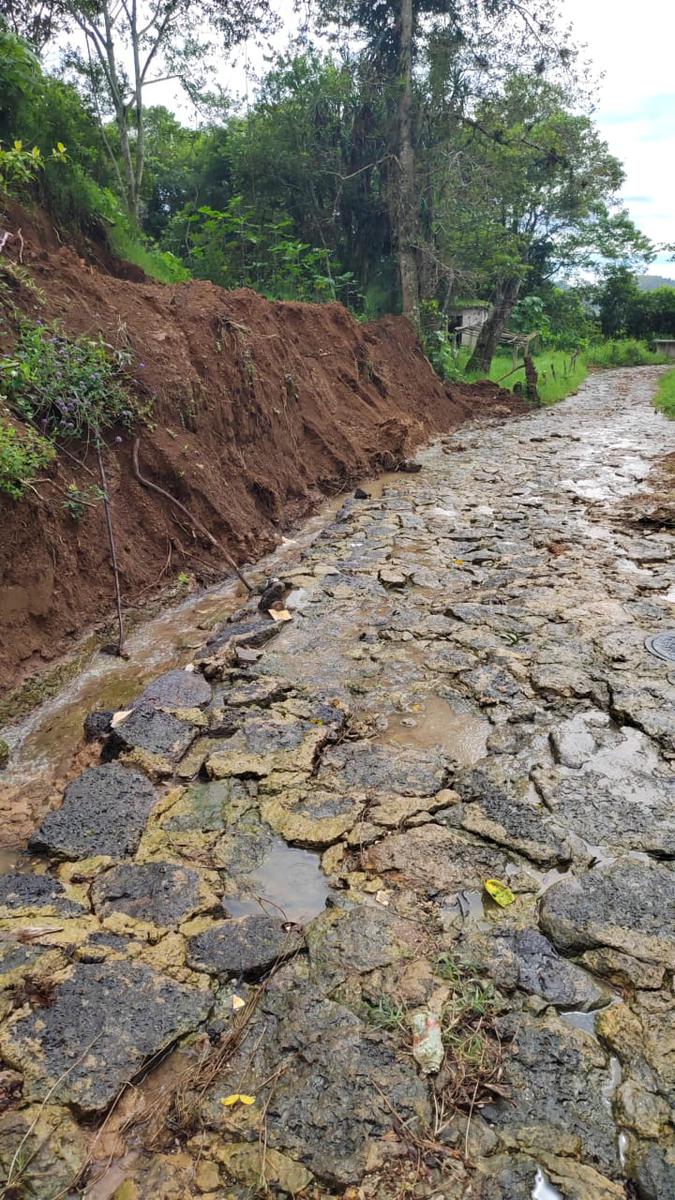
(634, 45)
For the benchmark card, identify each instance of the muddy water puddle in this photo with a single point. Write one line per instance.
(288, 883)
(461, 734)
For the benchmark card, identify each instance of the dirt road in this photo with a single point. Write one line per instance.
(463, 695)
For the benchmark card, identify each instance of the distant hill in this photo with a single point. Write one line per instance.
(648, 283)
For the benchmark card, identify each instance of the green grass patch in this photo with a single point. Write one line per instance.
(158, 264)
(622, 352)
(559, 372)
(665, 395)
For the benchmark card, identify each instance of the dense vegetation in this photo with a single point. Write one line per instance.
(438, 149)
(665, 396)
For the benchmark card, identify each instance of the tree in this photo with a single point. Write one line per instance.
(618, 296)
(132, 44)
(624, 309)
(540, 186)
(36, 22)
(473, 39)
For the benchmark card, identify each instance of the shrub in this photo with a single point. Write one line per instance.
(67, 387)
(19, 167)
(437, 344)
(665, 395)
(621, 352)
(22, 455)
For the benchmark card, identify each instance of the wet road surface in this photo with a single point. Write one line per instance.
(279, 865)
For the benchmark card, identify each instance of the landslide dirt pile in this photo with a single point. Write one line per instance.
(258, 408)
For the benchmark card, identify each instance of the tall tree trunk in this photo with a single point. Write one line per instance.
(122, 118)
(405, 204)
(105, 48)
(504, 301)
(138, 110)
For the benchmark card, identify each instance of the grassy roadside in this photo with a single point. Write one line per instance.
(559, 374)
(665, 395)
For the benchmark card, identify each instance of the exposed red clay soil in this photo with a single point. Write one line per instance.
(259, 409)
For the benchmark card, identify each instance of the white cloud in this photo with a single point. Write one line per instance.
(636, 110)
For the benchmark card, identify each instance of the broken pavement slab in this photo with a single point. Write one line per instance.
(159, 895)
(103, 1022)
(244, 946)
(104, 811)
(178, 689)
(268, 741)
(27, 896)
(42, 1151)
(153, 732)
(559, 1077)
(435, 860)
(627, 905)
(347, 1088)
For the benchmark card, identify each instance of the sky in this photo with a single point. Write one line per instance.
(634, 45)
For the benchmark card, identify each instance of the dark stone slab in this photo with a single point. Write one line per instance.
(497, 808)
(104, 811)
(253, 632)
(103, 1023)
(628, 905)
(97, 724)
(652, 1171)
(155, 732)
(246, 946)
(527, 960)
(161, 892)
(35, 893)
(371, 768)
(342, 1088)
(178, 689)
(558, 1077)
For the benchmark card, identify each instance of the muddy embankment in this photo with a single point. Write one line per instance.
(258, 409)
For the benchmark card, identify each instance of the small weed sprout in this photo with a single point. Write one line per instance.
(386, 1013)
(78, 499)
(473, 1062)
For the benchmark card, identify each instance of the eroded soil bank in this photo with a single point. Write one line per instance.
(277, 861)
(257, 410)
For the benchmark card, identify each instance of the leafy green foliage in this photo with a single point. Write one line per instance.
(67, 387)
(625, 309)
(77, 499)
(665, 395)
(622, 352)
(437, 343)
(235, 249)
(22, 456)
(20, 166)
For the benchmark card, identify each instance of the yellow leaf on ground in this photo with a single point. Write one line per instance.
(237, 1098)
(500, 893)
